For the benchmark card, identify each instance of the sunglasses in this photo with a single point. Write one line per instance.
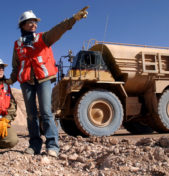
(32, 22)
(1, 67)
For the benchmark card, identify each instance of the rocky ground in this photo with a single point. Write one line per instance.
(119, 155)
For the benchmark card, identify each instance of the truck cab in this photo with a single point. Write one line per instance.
(88, 60)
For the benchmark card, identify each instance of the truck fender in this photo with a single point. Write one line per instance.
(161, 85)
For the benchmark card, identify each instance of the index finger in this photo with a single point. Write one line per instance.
(85, 8)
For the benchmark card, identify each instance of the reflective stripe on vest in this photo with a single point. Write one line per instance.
(21, 70)
(43, 66)
(36, 38)
(5, 87)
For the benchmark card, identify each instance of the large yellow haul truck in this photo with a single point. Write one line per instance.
(110, 85)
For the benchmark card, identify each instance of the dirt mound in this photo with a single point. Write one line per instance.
(21, 111)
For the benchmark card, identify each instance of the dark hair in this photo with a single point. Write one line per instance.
(2, 66)
(3, 78)
(22, 24)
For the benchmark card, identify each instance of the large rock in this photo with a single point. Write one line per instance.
(21, 111)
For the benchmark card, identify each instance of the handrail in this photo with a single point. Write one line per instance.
(93, 42)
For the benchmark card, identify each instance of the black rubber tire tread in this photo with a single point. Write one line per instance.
(160, 122)
(163, 118)
(81, 117)
(69, 127)
(135, 127)
(155, 120)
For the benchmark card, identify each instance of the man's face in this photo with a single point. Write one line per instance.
(1, 71)
(30, 25)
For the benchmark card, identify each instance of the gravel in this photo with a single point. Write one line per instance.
(92, 156)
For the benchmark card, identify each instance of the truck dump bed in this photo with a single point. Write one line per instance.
(139, 65)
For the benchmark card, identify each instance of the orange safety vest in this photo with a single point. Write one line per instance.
(5, 96)
(39, 57)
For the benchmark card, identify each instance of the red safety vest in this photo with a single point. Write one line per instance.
(39, 57)
(5, 96)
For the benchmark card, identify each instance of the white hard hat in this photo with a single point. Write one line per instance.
(2, 63)
(28, 15)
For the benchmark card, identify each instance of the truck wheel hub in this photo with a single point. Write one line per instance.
(100, 113)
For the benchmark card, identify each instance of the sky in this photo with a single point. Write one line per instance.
(144, 22)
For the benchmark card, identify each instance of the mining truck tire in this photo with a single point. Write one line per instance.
(136, 127)
(163, 112)
(69, 127)
(99, 113)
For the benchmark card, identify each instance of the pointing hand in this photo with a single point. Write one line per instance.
(81, 14)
